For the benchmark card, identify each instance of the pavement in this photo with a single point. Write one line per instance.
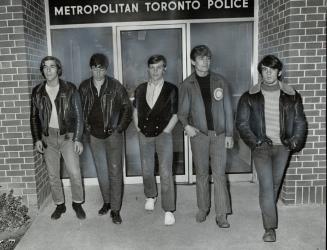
(301, 227)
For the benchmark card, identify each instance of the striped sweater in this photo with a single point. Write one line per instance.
(271, 96)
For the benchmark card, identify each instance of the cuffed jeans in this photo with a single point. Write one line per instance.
(56, 145)
(163, 145)
(270, 163)
(107, 154)
(204, 147)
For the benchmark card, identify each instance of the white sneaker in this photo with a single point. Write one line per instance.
(169, 219)
(149, 203)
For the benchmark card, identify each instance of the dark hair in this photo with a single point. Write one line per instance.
(273, 62)
(48, 58)
(156, 59)
(99, 60)
(200, 50)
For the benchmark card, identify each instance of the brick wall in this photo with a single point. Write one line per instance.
(295, 31)
(22, 45)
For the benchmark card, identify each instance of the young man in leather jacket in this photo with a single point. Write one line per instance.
(271, 121)
(107, 113)
(57, 127)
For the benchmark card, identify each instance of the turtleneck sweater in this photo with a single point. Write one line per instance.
(271, 95)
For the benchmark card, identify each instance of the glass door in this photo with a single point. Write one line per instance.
(231, 44)
(135, 45)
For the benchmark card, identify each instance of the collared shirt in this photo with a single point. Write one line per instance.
(52, 93)
(153, 92)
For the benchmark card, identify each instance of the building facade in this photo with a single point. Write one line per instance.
(293, 30)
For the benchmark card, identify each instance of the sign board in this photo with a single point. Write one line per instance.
(108, 11)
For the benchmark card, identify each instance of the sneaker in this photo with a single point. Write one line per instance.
(269, 235)
(105, 208)
(149, 203)
(201, 216)
(169, 219)
(60, 209)
(79, 211)
(115, 217)
(222, 221)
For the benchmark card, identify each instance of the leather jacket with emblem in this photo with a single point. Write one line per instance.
(115, 104)
(250, 118)
(69, 111)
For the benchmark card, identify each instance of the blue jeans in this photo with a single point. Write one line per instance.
(205, 147)
(163, 145)
(57, 145)
(270, 163)
(107, 155)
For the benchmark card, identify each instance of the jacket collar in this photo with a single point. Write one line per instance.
(213, 77)
(62, 85)
(283, 87)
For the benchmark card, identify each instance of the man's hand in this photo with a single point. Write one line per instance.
(191, 131)
(78, 147)
(39, 146)
(229, 142)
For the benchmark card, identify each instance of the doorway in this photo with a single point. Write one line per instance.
(135, 45)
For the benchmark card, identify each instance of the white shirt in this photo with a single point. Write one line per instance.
(52, 93)
(153, 92)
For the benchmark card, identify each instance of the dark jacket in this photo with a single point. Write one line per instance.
(191, 109)
(68, 105)
(153, 121)
(250, 118)
(115, 104)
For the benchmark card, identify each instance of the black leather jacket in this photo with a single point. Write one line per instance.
(115, 104)
(68, 106)
(250, 119)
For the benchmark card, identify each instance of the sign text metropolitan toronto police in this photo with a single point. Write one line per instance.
(153, 6)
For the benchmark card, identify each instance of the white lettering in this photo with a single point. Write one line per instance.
(155, 6)
(164, 6)
(67, 10)
(227, 4)
(104, 8)
(172, 7)
(135, 7)
(79, 10)
(95, 8)
(196, 7)
(147, 4)
(59, 12)
(87, 9)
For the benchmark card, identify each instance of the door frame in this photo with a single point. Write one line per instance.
(118, 29)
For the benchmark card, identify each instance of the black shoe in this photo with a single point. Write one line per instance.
(105, 208)
(201, 216)
(115, 217)
(60, 209)
(79, 211)
(269, 235)
(222, 222)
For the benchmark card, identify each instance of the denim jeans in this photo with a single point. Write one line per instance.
(163, 145)
(270, 163)
(57, 145)
(107, 155)
(205, 147)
